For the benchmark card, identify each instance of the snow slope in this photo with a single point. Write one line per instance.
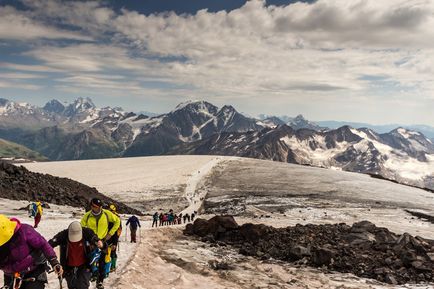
(131, 180)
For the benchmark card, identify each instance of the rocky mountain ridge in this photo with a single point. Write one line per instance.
(401, 155)
(80, 130)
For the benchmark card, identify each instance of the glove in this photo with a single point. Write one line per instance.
(56, 266)
(107, 237)
(58, 269)
(99, 244)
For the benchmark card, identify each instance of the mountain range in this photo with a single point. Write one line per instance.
(80, 130)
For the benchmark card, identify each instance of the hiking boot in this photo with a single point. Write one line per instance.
(94, 277)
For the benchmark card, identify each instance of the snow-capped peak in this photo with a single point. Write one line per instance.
(8, 107)
(80, 105)
(228, 110)
(84, 104)
(201, 107)
(406, 133)
(184, 104)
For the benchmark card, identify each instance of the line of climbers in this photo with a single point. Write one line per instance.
(165, 219)
(87, 250)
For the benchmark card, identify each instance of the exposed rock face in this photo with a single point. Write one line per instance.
(362, 249)
(54, 106)
(345, 148)
(17, 183)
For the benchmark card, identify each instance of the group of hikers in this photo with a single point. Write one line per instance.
(87, 249)
(165, 219)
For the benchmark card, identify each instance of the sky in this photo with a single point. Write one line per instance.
(362, 60)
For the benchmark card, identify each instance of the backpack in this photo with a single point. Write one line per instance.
(33, 209)
(95, 255)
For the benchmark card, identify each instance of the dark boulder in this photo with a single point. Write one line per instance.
(323, 256)
(216, 226)
(253, 233)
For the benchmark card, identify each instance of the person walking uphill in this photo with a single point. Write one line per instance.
(24, 254)
(76, 245)
(155, 220)
(99, 219)
(134, 222)
(38, 213)
(114, 240)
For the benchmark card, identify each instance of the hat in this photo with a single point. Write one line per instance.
(7, 229)
(75, 232)
(96, 202)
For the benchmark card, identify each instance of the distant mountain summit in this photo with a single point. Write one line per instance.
(190, 121)
(300, 122)
(79, 106)
(297, 122)
(54, 106)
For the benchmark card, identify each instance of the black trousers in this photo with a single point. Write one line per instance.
(78, 278)
(101, 265)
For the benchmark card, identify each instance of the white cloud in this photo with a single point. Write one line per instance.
(327, 52)
(14, 84)
(14, 75)
(17, 26)
(90, 16)
(25, 67)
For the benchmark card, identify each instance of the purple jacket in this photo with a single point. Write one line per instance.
(25, 248)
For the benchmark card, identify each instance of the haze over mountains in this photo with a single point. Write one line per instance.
(80, 130)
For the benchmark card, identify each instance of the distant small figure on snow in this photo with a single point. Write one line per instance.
(134, 223)
(155, 219)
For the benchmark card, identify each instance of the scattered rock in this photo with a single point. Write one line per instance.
(219, 265)
(362, 249)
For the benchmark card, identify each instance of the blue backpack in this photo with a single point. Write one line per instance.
(95, 255)
(33, 209)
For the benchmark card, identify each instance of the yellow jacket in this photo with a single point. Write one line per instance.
(39, 208)
(100, 226)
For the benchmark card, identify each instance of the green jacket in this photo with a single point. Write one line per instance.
(100, 226)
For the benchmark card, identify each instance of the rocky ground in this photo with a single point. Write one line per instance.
(17, 183)
(362, 249)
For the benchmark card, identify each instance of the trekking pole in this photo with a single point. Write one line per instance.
(60, 282)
